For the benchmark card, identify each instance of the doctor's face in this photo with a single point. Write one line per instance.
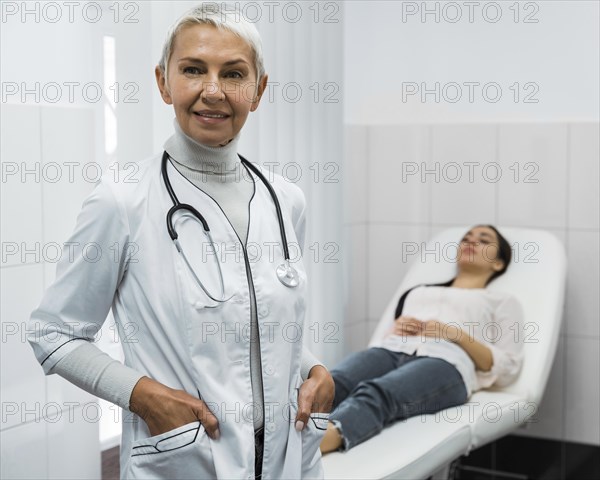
(211, 83)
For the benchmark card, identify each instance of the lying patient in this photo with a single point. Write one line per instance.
(447, 341)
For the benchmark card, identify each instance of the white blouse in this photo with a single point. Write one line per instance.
(493, 318)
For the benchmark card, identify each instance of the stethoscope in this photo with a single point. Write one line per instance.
(286, 273)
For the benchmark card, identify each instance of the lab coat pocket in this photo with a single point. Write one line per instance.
(184, 452)
(312, 435)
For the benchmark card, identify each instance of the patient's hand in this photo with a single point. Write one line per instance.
(405, 325)
(441, 331)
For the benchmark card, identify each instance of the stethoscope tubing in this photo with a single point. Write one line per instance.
(287, 274)
(177, 205)
(286, 253)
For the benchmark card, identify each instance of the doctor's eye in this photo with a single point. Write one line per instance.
(234, 74)
(191, 70)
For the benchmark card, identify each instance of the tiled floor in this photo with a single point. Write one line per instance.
(531, 458)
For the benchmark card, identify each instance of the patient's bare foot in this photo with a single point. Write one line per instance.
(332, 439)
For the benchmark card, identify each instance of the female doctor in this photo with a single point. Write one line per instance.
(194, 258)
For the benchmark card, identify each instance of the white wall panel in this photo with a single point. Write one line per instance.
(583, 311)
(582, 386)
(397, 158)
(22, 381)
(354, 256)
(463, 174)
(584, 171)
(70, 166)
(532, 191)
(24, 452)
(355, 180)
(74, 444)
(21, 186)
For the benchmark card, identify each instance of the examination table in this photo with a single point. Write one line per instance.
(426, 445)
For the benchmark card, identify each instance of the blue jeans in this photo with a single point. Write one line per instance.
(376, 387)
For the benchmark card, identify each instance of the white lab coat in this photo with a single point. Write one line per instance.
(169, 333)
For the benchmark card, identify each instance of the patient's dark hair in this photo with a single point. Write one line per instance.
(504, 252)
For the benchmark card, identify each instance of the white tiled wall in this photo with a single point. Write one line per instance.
(48, 427)
(535, 175)
(23, 385)
(20, 151)
(463, 188)
(19, 446)
(584, 171)
(402, 200)
(533, 190)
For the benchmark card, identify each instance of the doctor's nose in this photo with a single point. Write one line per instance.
(212, 92)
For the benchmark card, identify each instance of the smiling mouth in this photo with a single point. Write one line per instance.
(211, 115)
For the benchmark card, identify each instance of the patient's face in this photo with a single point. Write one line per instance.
(479, 249)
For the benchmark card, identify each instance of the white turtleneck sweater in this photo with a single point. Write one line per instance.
(218, 172)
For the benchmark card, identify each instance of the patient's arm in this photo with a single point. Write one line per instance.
(479, 352)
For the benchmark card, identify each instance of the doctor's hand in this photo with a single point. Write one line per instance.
(316, 395)
(164, 408)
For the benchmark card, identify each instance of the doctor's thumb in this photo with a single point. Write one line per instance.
(208, 420)
(302, 416)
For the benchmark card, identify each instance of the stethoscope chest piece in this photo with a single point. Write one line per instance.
(288, 275)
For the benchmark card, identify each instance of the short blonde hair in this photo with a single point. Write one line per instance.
(215, 14)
